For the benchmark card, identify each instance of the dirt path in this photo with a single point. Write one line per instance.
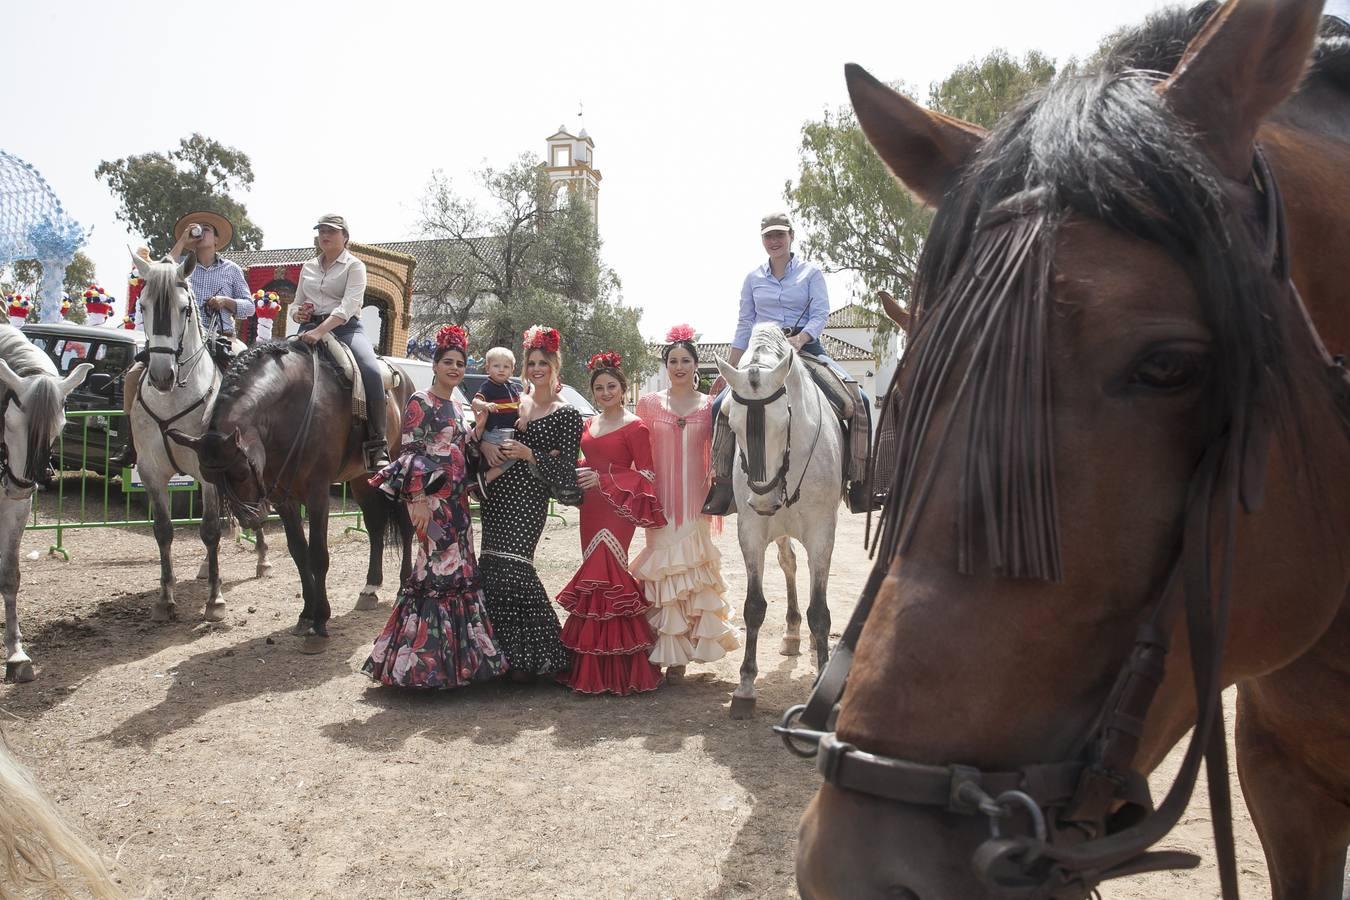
(218, 761)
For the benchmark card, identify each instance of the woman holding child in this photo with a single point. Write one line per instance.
(607, 629)
(515, 507)
(439, 635)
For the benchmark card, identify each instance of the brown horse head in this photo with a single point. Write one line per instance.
(1105, 341)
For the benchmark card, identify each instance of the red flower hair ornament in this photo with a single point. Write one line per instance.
(680, 333)
(537, 337)
(453, 336)
(607, 360)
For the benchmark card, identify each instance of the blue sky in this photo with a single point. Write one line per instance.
(695, 108)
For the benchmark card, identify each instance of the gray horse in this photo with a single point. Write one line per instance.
(787, 484)
(33, 408)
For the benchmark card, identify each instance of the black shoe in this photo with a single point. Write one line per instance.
(859, 501)
(377, 455)
(721, 500)
(123, 460)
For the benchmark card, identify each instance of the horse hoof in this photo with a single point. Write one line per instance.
(742, 708)
(675, 674)
(314, 643)
(367, 601)
(215, 612)
(302, 627)
(792, 646)
(264, 570)
(19, 672)
(163, 613)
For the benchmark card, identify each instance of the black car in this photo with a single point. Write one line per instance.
(110, 351)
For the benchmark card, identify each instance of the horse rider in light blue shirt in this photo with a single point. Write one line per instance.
(790, 292)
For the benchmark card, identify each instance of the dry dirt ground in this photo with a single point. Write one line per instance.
(219, 762)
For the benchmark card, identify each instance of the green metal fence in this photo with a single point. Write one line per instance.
(85, 498)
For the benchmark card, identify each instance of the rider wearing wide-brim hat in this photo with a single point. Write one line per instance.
(790, 292)
(328, 300)
(218, 285)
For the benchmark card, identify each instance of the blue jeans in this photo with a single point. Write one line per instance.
(353, 335)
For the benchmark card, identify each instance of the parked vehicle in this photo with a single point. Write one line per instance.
(471, 384)
(110, 351)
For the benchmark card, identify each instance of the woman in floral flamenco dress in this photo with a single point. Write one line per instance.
(439, 635)
(680, 569)
(607, 629)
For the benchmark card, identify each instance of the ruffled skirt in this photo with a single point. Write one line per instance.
(680, 573)
(436, 642)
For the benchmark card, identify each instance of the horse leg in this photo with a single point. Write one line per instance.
(164, 610)
(299, 547)
(13, 516)
(787, 561)
(316, 639)
(1302, 824)
(743, 698)
(818, 610)
(376, 511)
(264, 568)
(210, 531)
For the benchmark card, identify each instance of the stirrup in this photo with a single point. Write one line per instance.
(376, 455)
(721, 499)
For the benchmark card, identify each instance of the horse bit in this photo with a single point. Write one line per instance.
(1091, 818)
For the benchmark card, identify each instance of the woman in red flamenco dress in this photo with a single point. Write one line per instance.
(607, 628)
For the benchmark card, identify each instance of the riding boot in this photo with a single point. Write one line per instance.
(131, 385)
(859, 431)
(375, 450)
(721, 500)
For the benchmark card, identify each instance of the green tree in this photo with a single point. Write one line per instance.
(155, 189)
(24, 276)
(528, 255)
(854, 215)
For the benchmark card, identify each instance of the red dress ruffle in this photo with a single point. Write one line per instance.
(607, 629)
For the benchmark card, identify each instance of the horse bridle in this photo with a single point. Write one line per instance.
(184, 366)
(7, 472)
(757, 406)
(1091, 818)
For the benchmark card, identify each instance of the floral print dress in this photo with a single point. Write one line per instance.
(439, 635)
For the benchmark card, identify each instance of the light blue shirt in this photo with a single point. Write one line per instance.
(797, 300)
(222, 278)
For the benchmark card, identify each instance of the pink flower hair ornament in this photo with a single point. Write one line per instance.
(680, 333)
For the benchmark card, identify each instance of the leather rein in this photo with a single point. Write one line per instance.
(1090, 819)
(7, 472)
(185, 366)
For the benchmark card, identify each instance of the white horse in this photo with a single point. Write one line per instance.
(788, 485)
(33, 409)
(177, 390)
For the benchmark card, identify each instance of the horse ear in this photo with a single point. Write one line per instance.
(924, 149)
(75, 378)
(734, 376)
(186, 266)
(778, 374)
(895, 312)
(142, 265)
(237, 438)
(1246, 60)
(9, 378)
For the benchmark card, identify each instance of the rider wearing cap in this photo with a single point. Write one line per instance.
(217, 283)
(790, 292)
(328, 300)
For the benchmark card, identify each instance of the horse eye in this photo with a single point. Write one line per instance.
(1170, 370)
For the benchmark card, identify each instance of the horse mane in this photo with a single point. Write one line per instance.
(247, 377)
(161, 284)
(1099, 145)
(767, 345)
(44, 406)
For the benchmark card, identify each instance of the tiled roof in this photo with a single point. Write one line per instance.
(853, 316)
(840, 351)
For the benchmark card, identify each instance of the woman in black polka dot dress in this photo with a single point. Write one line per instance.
(547, 440)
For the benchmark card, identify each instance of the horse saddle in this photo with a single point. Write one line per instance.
(343, 358)
(831, 384)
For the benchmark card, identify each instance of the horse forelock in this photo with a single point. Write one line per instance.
(161, 295)
(1100, 146)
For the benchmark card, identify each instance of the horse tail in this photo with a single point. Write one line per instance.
(37, 843)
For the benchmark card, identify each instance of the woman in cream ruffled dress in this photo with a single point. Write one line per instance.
(680, 569)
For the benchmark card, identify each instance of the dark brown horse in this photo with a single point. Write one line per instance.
(282, 433)
(1121, 479)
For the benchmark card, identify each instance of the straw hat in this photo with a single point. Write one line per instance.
(224, 230)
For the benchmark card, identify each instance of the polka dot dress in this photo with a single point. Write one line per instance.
(523, 621)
